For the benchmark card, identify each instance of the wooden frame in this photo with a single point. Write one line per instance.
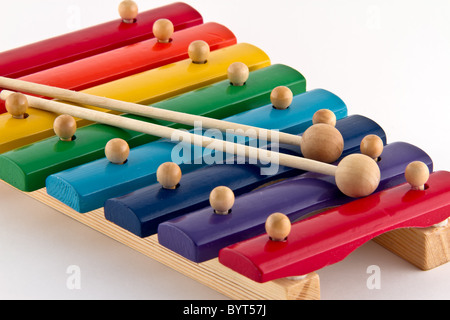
(210, 273)
(235, 286)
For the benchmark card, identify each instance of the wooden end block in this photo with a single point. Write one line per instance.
(426, 248)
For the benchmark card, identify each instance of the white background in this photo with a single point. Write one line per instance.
(388, 60)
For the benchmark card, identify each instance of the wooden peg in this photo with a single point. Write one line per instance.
(163, 30)
(117, 151)
(65, 127)
(17, 105)
(169, 175)
(281, 97)
(372, 146)
(324, 116)
(128, 11)
(238, 73)
(322, 142)
(278, 226)
(417, 174)
(221, 200)
(199, 51)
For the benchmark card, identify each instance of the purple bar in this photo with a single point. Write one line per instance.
(200, 235)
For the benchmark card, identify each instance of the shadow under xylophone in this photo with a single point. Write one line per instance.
(179, 226)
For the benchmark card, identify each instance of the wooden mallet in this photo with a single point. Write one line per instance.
(322, 141)
(356, 175)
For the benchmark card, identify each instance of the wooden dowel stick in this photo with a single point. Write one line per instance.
(145, 111)
(180, 135)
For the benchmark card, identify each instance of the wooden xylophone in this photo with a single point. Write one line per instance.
(231, 253)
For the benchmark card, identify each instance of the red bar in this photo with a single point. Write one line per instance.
(128, 60)
(93, 40)
(332, 235)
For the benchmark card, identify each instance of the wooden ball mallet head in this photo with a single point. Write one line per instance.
(168, 175)
(322, 142)
(357, 175)
(128, 11)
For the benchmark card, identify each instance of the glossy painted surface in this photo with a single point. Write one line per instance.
(128, 60)
(87, 187)
(332, 235)
(93, 40)
(145, 88)
(141, 212)
(200, 235)
(27, 168)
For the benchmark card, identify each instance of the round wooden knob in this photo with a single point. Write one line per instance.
(199, 51)
(17, 105)
(117, 151)
(417, 174)
(372, 146)
(322, 142)
(278, 226)
(169, 175)
(163, 30)
(324, 116)
(221, 200)
(128, 11)
(357, 175)
(238, 73)
(281, 97)
(65, 127)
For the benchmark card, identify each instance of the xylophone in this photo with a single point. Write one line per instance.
(136, 206)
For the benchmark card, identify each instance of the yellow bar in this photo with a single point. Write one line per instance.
(144, 88)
